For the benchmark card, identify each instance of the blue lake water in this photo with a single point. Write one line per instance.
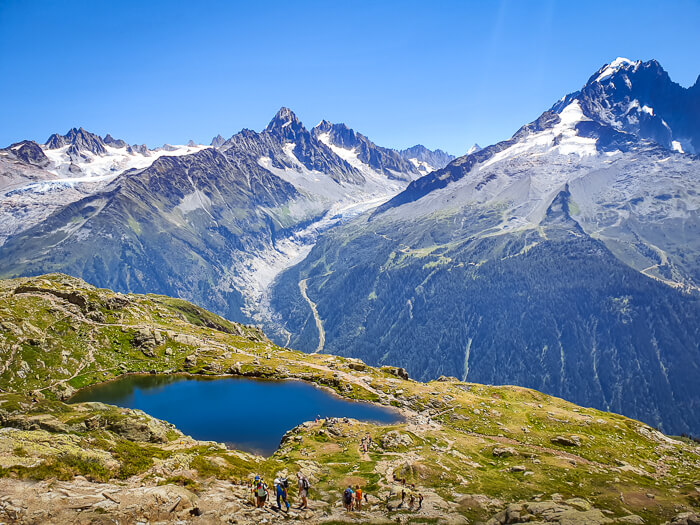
(247, 414)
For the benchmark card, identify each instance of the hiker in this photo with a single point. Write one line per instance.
(252, 489)
(281, 485)
(411, 501)
(303, 485)
(347, 498)
(420, 501)
(358, 498)
(260, 492)
(403, 495)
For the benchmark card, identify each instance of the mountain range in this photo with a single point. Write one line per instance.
(563, 259)
(213, 224)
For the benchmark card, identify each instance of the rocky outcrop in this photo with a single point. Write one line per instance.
(394, 440)
(395, 371)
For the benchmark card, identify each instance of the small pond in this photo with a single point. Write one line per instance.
(247, 414)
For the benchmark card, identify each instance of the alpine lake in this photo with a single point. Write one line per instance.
(245, 414)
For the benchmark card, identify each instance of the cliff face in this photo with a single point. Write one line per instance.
(475, 452)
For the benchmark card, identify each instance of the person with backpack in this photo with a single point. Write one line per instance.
(420, 501)
(347, 498)
(303, 485)
(260, 492)
(358, 498)
(281, 485)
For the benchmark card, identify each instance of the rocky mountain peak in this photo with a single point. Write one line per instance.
(218, 141)
(338, 134)
(474, 149)
(285, 118)
(323, 126)
(436, 159)
(79, 140)
(115, 143)
(639, 98)
(30, 152)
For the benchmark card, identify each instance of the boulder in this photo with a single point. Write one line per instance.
(503, 452)
(573, 441)
(686, 518)
(358, 367)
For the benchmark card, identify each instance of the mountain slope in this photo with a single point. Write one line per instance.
(36, 180)
(179, 223)
(563, 259)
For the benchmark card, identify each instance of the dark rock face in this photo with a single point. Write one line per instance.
(383, 160)
(79, 142)
(115, 143)
(138, 148)
(286, 129)
(30, 152)
(640, 98)
(218, 141)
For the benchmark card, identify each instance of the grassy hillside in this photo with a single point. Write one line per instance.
(470, 449)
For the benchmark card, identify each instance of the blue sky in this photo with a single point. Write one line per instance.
(444, 74)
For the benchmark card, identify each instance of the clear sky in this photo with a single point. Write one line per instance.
(444, 74)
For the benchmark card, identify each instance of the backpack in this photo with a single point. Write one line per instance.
(284, 482)
(305, 483)
(261, 490)
(348, 496)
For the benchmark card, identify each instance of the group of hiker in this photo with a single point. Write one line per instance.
(352, 499)
(365, 443)
(412, 497)
(281, 485)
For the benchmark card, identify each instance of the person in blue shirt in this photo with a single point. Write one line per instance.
(281, 491)
(347, 498)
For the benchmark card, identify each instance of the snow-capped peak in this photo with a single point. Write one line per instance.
(613, 67)
(474, 149)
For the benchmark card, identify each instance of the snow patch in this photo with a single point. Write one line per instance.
(92, 167)
(423, 167)
(614, 67)
(561, 138)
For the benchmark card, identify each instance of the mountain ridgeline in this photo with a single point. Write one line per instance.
(564, 259)
(210, 224)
